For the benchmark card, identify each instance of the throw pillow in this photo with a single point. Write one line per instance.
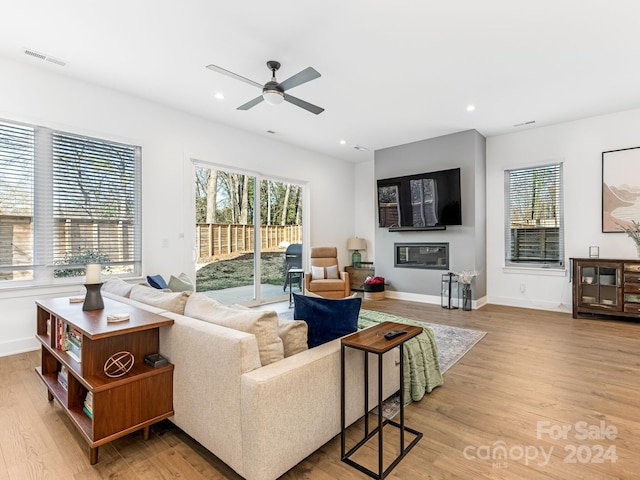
(173, 302)
(317, 273)
(263, 324)
(181, 283)
(294, 335)
(292, 332)
(327, 318)
(117, 286)
(332, 272)
(156, 281)
(321, 273)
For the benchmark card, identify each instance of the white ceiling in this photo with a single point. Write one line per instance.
(393, 72)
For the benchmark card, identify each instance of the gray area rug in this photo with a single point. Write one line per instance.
(453, 343)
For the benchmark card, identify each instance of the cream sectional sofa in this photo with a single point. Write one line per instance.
(257, 411)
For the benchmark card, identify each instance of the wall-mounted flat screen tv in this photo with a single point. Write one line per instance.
(422, 201)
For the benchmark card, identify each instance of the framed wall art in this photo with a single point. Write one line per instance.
(620, 189)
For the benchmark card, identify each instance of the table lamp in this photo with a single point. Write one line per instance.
(356, 244)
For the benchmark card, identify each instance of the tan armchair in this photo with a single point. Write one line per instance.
(325, 278)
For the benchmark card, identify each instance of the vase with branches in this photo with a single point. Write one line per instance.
(633, 231)
(465, 277)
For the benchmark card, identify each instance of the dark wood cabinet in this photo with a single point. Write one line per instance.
(120, 405)
(606, 287)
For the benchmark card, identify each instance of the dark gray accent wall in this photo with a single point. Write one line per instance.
(467, 243)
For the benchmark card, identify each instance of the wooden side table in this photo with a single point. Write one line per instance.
(101, 407)
(372, 340)
(357, 276)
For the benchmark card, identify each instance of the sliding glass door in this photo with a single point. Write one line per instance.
(238, 243)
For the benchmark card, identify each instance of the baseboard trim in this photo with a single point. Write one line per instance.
(20, 345)
(530, 303)
(431, 299)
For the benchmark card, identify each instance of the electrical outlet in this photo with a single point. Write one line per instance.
(523, 287)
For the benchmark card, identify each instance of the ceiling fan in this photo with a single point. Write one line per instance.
(273, 92)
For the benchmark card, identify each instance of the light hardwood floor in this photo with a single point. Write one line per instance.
(534, 374)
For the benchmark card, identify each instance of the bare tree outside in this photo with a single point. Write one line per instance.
(225, 209)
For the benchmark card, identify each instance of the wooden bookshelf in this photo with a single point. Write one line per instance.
(121, 405)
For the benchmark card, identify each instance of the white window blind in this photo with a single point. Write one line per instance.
(83, 205)
(17, 157)
(534, 233)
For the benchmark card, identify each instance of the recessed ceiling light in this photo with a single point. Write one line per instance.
(219, 96)
(343, 142)
(471, 108)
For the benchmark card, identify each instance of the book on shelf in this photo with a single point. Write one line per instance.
(74, 355)
(74, 344)
(87, 408)
(63, 377)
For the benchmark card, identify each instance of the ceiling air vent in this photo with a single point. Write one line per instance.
(44, 56)
(360, 148)
(530, 122)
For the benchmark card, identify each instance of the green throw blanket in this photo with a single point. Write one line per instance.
(421, 364)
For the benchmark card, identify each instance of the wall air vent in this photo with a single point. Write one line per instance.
(44, 56)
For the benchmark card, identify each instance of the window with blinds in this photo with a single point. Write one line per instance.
(17, 164)
(67, 200)
(534, 217)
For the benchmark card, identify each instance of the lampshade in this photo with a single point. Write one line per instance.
(272, 97)
(355, 243)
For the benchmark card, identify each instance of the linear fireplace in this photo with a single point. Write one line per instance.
(433, 256)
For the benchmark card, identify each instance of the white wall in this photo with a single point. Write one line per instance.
(169, 139)
(579, 145)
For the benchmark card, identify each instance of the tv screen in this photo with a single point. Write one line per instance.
(425, 200)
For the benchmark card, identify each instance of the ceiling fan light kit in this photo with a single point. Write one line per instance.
(273, 92)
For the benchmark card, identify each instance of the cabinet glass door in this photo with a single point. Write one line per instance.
(599, 285)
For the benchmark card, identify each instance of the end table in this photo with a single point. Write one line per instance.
(372, 340)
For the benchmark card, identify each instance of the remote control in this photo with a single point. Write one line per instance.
(394, 334)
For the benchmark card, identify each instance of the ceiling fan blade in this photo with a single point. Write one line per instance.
(221, 70)
(251, 103)
(299, 78)
(302, 104)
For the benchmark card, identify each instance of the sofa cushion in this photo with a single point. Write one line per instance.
(117, 286)
(294, 334)
(173, 302)
(327, 318)
(261, 323)
(181, 283)
(328, 285)
(156, 281)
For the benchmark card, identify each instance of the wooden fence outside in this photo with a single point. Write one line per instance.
(219, 239)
